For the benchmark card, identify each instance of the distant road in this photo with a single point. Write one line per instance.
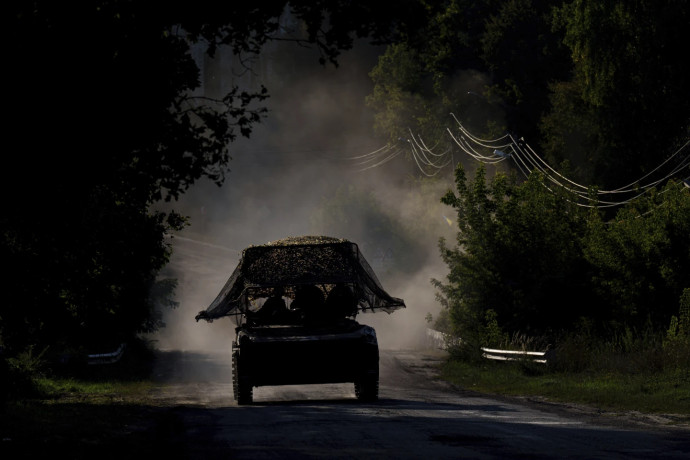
(417, 417)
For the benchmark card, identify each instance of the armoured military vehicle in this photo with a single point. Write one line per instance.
(295, 303)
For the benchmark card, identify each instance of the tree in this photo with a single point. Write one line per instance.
(487, 62)
(602, 85)
(533, 262)
(523, 55)
(398, 98)
(630, 78)
(104, 123)
(641, 259)
(517, 255)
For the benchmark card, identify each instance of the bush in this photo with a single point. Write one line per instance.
(518, 253)
(21, 373)
(676, 346)
(528, 261)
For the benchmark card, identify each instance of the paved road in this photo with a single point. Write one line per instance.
(417, 417)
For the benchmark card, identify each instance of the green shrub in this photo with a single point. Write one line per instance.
(22, 372)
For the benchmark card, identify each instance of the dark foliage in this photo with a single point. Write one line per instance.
(603, 85)
(528, 261)
(102, 124)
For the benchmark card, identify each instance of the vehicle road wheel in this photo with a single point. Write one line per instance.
(241, 385)
(367, 388)
(245, 393)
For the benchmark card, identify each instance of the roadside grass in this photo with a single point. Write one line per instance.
(643, 372)
(61, 390)
(127, 381)
(108, 412)
(93, 412)
(666, 392)
(89, 427)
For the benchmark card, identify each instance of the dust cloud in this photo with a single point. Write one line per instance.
(291, 168)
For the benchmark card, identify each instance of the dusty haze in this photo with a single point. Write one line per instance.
(296, 161)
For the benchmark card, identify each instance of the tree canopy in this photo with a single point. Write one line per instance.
(532, 261)
(601, 90)
(600, 84)
(103, 122)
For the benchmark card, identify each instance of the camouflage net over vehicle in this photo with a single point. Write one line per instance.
(298, 261)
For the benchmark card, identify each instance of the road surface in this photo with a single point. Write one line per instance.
(417, 417)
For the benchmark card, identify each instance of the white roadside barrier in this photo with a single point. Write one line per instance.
(440, 340)
(107, 358)
(512, 355)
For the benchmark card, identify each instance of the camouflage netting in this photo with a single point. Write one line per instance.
(298, 261)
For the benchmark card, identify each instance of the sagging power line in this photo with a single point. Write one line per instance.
(506, 147)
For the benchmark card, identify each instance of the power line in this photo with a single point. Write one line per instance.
(494, 151)
(527, 161)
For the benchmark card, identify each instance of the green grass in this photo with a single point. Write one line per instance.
(100, 412)
(652, 392)
(93, 392)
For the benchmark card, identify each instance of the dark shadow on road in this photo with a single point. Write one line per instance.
(414, 429)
